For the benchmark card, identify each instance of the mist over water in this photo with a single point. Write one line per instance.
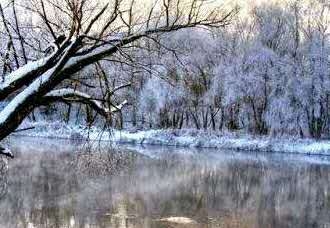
(60, 183)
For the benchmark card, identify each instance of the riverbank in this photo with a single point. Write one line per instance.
(180, 138)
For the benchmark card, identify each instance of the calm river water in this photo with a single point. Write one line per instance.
(59, 183)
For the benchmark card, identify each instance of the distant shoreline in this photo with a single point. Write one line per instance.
(181, 138)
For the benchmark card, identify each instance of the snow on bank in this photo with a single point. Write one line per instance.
(182, 138)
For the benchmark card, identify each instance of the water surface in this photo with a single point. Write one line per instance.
(59, 183)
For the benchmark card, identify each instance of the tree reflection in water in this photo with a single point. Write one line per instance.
(56, 186)
(3, 176)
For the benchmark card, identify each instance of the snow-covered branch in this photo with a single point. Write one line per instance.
(71, 95)
(31, 71)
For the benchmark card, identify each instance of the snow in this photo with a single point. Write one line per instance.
(71, 92)
(178, 220)
(21, 97)
(68, 92)
(180, 138)
(22, 71)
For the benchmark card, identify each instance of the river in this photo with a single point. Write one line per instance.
(60, 183)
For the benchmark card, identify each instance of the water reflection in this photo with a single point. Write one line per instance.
(55, 186)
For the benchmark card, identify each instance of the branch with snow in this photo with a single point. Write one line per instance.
(71, 95)
(32, 70)
(33, 89)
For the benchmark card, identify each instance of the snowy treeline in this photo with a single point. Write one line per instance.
(268, 72)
